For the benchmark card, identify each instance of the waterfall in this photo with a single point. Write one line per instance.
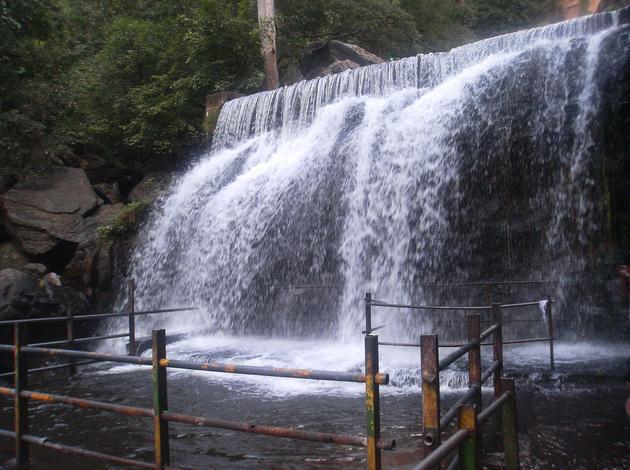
(477, 163)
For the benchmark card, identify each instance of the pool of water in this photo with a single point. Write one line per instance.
(571, 418)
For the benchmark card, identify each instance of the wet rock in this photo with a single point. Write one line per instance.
(36, 269)
(48, 209)
(108, 193)
(335, 56)
(23, 296)
(150, 188)
(11, 257)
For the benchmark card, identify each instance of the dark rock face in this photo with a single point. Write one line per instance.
(11, 257)
(334, 57)
(23, 295)
(151, 186)
(42, 213)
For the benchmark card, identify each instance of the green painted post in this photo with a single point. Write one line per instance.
(510, 433)
(469, 449)
(372, 403)
(430, 371)
(160, 401)
(20, 412)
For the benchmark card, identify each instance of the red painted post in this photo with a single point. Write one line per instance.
(497, 348)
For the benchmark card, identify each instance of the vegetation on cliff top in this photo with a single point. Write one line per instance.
(126, 79)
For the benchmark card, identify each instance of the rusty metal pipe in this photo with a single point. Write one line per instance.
(79, 340)
(47, 368)
(439, 454)
(79, 402)
(459, 352)
(452, 412)
(493, 408)
(381, 379)
(484, 335)
(314, 436)
(96, 316)
(488, 373)
(383, 303)
(44, 442)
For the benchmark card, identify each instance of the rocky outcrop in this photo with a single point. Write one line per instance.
(334, 57)
(44, 211)
(150, 187)
(23, 295)
(11, 257)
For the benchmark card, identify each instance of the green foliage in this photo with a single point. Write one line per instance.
(493, 17)
(126, 223)
(381, 27)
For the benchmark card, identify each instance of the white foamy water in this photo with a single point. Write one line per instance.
(380, 179)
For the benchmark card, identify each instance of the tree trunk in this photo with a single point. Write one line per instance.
(266, 19)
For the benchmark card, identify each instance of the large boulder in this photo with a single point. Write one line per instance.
(23, 295)
(333, 57)
(44, 211)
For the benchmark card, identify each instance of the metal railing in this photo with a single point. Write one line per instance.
(371, 303)
(72, 341)
(162, 415)
(469, 407)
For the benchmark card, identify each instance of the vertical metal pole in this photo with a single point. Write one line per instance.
(72, 369)
(20, 411)
(510, 433)
(429, 361)
(474, 357)
(497, 348)
(131, 300)
(469, 449)
(368, 313)
(551, 332)
(372, 403)
(160, 400)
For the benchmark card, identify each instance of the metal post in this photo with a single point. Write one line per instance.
(551, 332)
(372, 403)
(131, 293)
(497, 348)
(430, 393)
(160, 401)
(20, 412)
(368, 313)
(469, 449)
(510, 433)
(474, 356)
(72, 368)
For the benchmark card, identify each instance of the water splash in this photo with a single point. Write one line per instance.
(441, 166)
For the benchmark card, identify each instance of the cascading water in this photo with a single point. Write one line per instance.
(477, 163)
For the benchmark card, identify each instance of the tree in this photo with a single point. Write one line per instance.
(267, 22)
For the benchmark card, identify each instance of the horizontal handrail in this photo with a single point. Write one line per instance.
(125, 410)
(380, 379)
(44, 442)
(464, 399)
(384, 303)
(488, 283)
(492, 408)
(80, 340)
(436, 457)
(95, 316)
(313, 436)
(55, 367)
